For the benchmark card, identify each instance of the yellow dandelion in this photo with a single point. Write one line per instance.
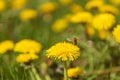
(75, 8)
(90, 31)
(33, 56)
(109, 9)
(48, 7)
(82, 17)
(116, 2)
(28, 14)
(96, 0)
(60, 25)
(103, 21)
(116, 33)
(74, 72)
(2, 5)
(64, 51)
(5, 46)
(94, 4)
(18, 4)
(66, 2)
(103, 34)
(68, 17)
(27, 45)
(25, 57)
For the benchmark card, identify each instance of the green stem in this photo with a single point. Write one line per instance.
(65, 71)
(35, 73)
(31, 75)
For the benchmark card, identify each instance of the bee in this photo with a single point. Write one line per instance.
(75, 41)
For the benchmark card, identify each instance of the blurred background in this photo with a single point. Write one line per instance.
(89, 24)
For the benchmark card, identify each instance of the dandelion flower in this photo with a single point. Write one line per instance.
(103, 21)
(48, 7)
(27, 45)
(2, 5)
(90, 31)
(116, 2)
(64, 51)
(94, 4)
(103, 34)
(116, 33)
(74, 72)
(26, 57)
(75, 8)
(82, 17)
(66, 2)
(60, 25)
(28, 14)
(23, 58)
(68, 16)
(18, 4)
(5, 46)
(109, 9)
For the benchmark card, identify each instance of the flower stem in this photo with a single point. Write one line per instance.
(65, 71)
(35, 73)
(31, 75)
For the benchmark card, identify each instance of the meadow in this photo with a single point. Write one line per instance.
(59, 39)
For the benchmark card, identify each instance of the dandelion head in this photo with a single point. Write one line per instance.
(48, 7)
(26, 57)
(64, 51)
(94, 4)
(74, 72)
(90, 31)
(103, 21)
(109, 9)
(60, 25)
(66, 2)
(68, 16)
(103, 34)
(28, 14)
(18, 4)
(2, 5)
(82, 17)
(27, 46)
(115, 2)
(75, 8)
(116, 33)
(5, 46)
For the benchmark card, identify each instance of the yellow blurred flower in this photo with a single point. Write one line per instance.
(27, 45)
(60, 25)
(108, 9)
(33, 56)
(90, 31)
(94, 4)
(28, 14)
(64, 51)
(18, 4)
(116, 2)
(96, 0)
(5, 46)
(75, 8)
(2, 5)
(104, 21)
(48, 7)
(66, 2)
(116, 33)
(26, 57)
(68, 17)
(82, 17)
(74, 72)
(103, 34)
